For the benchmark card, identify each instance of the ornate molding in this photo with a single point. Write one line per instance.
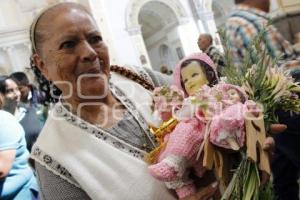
(6, 48)
(134, 30)
(134, 7)
(184, 20)
(206, 15)
(30, 5)
(14, 37)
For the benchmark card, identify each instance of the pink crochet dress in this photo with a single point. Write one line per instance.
(179, 155)
(228, 124)
(227, 128)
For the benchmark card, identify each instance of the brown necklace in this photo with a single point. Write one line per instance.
(132, 76)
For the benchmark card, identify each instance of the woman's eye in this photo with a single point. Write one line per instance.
(68, 45)
(95, 39)
(9, 91)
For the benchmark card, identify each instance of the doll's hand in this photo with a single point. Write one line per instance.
(204, 193)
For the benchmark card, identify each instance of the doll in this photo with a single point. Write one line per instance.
(182, 145)
(165, 100)
(228, 126)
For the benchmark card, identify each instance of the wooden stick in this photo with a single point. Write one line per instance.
(255, 137)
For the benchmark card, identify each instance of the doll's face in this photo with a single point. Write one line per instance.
(234, 96)
(193, 77)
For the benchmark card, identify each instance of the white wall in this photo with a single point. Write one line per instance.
(168, 37)
(15, 19)
(115, 12)
(17, 15)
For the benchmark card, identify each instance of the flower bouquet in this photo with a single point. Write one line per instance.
(273, 89)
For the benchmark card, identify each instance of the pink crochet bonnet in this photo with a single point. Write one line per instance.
(195, 56)
(224, 87)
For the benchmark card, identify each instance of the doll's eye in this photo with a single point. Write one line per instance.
(195, 74)
(185, 80)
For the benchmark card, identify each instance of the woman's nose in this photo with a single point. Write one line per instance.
(87, 52)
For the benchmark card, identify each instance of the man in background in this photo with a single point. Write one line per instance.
(31, 101)
(205, 44)
(30, 95)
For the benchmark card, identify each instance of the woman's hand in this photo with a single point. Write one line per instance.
(269, 146)
(204, 193)
(269, 143)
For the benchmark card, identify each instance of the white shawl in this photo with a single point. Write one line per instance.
(92, 159)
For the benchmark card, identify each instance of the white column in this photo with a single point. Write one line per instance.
(188, 34)
(4, 67)
(208, 18)
(140, 47)
(9, 52)
(97, 9)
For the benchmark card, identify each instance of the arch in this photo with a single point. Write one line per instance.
(166, 57)
(134, 7)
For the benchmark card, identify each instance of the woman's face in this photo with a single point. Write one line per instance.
(73, 55)
(12, 92)
(193, 77)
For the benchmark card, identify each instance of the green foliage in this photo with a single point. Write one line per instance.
(273, 88)
(264, 82)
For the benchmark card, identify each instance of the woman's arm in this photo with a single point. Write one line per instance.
(158, 78)
(7, 158)
(52, 187)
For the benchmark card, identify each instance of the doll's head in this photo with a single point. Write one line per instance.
(165, 99)
(193, 72)
(232, 94)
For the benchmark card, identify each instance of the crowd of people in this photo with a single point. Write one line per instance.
(19, 130)
(92, 142)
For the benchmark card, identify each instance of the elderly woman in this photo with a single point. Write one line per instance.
(94, 140)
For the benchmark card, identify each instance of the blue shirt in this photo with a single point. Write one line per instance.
(20, 179)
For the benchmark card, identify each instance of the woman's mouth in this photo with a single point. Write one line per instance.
(94, 70)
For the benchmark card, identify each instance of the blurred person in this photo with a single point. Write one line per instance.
(17, 180)
(247, 20)
(164, 70)
(205, 44)
(30, 95)
(32, 98)
(26, 116)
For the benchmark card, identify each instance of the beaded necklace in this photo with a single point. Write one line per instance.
(132, 76)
